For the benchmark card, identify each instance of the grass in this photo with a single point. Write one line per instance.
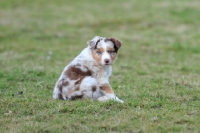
(157, 72)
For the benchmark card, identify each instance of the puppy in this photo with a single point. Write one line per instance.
(87, 76)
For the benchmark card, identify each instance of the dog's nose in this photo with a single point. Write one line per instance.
(106, 60)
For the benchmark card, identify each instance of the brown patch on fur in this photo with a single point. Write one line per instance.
(110, 49)
(94, 88)
(65, 83)
(75, 73)
(101, 49)
(113, 55)
(62, 83)
(76, 97)
(71, 91)
(77, 88)
(97, 56)
(115, 41)
(59, 85)
(107, 88)
(60, 96)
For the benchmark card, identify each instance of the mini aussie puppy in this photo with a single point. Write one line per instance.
(87, 76)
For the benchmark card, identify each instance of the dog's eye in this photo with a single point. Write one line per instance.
(99, 52)
(110, 51)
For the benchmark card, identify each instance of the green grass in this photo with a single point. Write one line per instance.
(157, 72)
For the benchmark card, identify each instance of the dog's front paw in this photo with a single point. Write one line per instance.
(115, 98)
(118, 100)
(110, 97)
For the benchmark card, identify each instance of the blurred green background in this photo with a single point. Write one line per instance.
(157, 71)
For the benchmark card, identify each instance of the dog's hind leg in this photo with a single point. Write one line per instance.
(88, 88)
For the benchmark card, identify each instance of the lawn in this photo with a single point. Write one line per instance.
(157, 72)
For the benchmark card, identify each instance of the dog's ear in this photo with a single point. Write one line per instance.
(92, 43)
(115, 41)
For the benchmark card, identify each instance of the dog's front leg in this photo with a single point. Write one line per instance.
(108, 93)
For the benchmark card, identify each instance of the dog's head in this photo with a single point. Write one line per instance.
(104, 50)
